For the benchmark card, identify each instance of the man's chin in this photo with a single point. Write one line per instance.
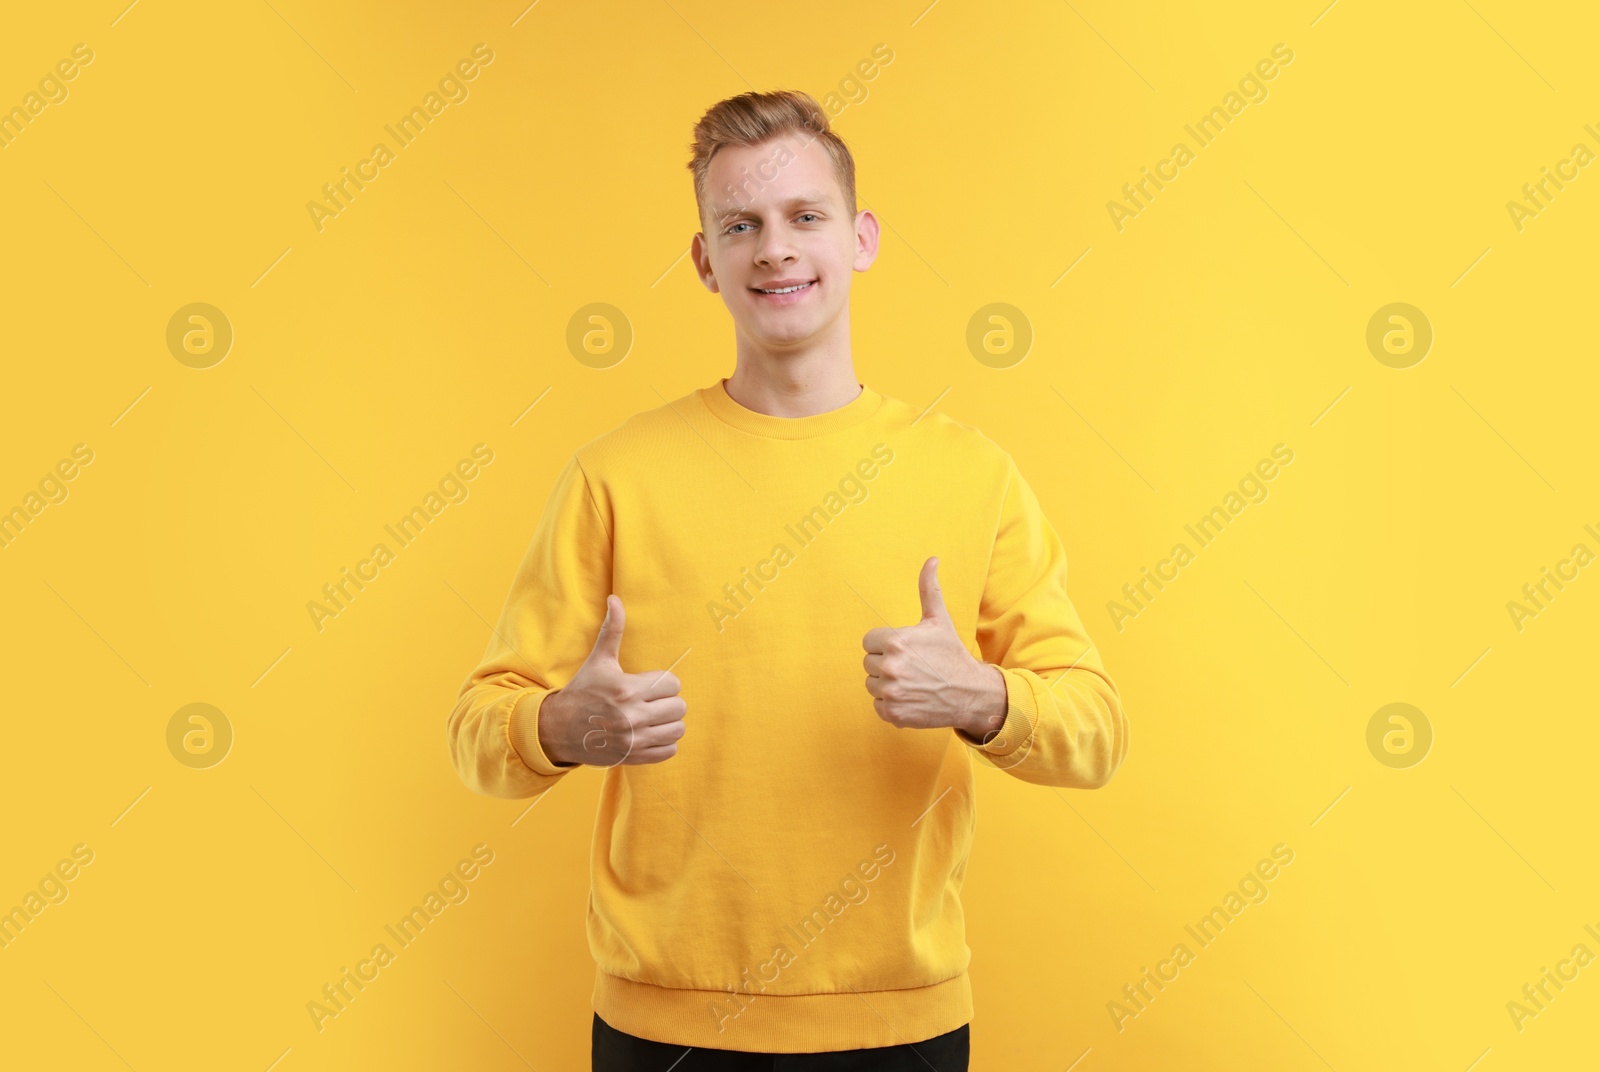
(780, 338)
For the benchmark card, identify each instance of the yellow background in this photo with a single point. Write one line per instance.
(1228, 317)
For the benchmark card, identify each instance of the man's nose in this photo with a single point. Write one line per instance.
(775, 248)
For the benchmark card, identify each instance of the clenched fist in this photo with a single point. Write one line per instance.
(922, 676)
(603, 716)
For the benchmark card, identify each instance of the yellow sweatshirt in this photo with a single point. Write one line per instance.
(790, 880)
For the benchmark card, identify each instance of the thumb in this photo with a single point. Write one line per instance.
(932, 595)
(608, 644)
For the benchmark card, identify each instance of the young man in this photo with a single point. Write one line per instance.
(785, 879)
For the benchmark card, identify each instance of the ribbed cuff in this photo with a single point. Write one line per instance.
(538, 762)
(1016, 732)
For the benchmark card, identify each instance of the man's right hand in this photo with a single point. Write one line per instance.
(603, 716)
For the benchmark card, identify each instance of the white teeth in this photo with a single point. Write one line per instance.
(786, 290)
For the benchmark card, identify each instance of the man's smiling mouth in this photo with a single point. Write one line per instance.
(791, 289)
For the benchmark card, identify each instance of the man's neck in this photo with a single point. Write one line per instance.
(794, 384)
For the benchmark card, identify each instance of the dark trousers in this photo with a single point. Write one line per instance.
(618, 1051)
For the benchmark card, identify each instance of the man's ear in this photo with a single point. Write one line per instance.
(867, 236)
(702, 262)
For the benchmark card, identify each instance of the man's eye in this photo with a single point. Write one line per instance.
(802, 216)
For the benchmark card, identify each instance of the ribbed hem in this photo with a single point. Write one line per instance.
(724, 408)
(768, 1023)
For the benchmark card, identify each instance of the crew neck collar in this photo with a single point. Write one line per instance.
(722, 406)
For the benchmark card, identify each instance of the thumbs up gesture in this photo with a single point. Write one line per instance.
(605, 716)
(922, 676)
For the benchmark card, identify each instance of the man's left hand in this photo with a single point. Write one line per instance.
(922, 676)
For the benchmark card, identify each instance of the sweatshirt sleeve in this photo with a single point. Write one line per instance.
(546, 630)
(1064, 725)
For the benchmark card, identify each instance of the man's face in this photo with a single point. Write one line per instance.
(776, 219)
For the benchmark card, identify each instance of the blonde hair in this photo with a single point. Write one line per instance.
(753, 118)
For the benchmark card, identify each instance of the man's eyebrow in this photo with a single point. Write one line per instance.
(813, 198)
